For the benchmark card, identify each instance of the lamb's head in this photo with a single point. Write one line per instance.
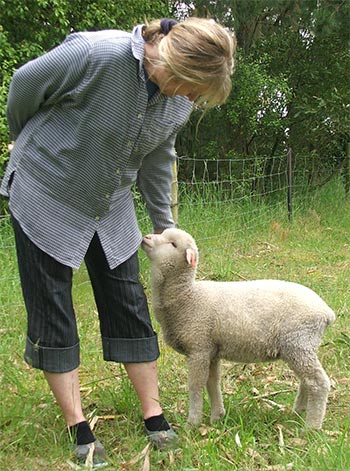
(173, 248)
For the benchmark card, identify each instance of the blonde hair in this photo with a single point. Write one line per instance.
(199, 52)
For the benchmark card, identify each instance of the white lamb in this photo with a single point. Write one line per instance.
(243, 321)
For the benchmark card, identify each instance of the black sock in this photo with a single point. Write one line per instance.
(157, 423)
(81, 433)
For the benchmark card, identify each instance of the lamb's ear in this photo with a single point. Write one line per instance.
(191, 257)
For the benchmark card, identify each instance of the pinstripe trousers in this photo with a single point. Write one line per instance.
(52, 342)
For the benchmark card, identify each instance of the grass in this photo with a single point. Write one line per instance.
(259, 432)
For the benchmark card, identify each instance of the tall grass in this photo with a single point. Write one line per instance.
(242, 240)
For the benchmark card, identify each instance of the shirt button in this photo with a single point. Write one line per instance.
(140, 115)
(117, 172)
(129, 144)
(107, 195)
(97, 218)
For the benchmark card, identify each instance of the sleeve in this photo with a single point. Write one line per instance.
(154, 182)
(44, 80)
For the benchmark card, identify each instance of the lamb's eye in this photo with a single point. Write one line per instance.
(173, 244)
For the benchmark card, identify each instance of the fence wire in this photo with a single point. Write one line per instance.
(241, 187)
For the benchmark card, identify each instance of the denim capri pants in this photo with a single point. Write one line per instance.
(52, 343)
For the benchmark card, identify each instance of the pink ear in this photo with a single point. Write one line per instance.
(191, 257)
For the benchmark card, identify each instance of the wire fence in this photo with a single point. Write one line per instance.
(232, 180)
(242, 189)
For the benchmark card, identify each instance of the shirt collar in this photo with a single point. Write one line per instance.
(138, 51)
(137, 46)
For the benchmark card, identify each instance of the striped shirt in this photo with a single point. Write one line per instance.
(84, 132)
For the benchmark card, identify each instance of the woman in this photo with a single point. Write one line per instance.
(89, 118)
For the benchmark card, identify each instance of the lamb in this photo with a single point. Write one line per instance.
(240, 321)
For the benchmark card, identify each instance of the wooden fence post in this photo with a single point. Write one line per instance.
(289, 184)
(174, 195)
(347, 170)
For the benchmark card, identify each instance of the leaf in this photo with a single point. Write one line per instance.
(280, 439)
(89, 462)
(203, 431)
(238, 440)
(298, 442)
(73, 465)
(146, 464)
(144, 453)
(171, 457)
(280, 467)
(94, 421)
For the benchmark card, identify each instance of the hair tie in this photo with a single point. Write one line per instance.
(166, 24)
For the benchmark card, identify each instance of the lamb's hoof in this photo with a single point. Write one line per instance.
(217, 416)
(312, 427)
(194, 421)
(308, 430)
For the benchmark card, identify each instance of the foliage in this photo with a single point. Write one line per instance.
(258, 105)
(28, 28)
(291, 85)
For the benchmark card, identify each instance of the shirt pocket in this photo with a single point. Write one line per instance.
(156, 133)
(159, 131)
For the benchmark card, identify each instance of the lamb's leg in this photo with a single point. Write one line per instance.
(198, 372)
(316, 383)
(300, 402)
(214, 391)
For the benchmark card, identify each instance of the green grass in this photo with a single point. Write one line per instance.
(244, 240)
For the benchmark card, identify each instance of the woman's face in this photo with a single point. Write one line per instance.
(171, 87)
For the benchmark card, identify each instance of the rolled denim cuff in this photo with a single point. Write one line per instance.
(137, 350)
(52, 360)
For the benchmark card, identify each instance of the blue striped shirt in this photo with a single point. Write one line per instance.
(84, 132)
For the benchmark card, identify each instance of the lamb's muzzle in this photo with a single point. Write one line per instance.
(244, 321)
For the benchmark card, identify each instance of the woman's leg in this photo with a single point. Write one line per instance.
(65, 387)
(52, 338)
(127, 334)
(144, 377)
